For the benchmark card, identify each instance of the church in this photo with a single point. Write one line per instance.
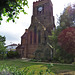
(36, 36)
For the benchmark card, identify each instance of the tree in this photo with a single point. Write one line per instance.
(2, 47)
(66, 40)
(11, 9)
(53, 38)
(67, 18)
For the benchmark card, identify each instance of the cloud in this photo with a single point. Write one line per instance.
(11, 37)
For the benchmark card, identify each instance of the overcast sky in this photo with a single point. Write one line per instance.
(14, 31)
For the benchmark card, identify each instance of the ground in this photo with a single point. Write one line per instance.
(21, 63)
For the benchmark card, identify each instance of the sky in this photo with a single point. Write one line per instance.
(14, 31)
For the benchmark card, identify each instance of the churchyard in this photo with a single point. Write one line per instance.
(43, 41)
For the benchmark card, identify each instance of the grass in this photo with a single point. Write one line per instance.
(57, 68)
(37, 70)
(20, 63)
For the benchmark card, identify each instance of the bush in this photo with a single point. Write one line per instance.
(13, 54)
(5, 70)
(43, 54)
(33, 60)
(63, 57)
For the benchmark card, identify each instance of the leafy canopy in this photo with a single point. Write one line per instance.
(11, 8)
(66, 39)
(67, 18)
(63, 37)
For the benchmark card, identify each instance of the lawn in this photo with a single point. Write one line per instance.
(20, 63)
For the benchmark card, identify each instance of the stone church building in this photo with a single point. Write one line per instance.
(42, 22)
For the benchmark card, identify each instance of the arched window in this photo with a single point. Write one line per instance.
(45, 36)
(39, 36)
(30, 37)
(35, 29)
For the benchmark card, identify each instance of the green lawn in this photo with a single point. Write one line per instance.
(19, 63)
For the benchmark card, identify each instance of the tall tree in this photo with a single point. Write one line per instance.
(11, 8)
(67, 18)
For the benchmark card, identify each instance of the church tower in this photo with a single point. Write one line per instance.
(43, 12)
(42, 22)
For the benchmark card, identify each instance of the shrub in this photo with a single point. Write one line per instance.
(5, 70)
(43, 54)
(33, 60)
(63, 57)
(12, 54)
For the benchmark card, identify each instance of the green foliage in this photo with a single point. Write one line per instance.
(67, 18)
(47, 54)
(48, 70)
(43, 53)
(31, 70)
(5, 70)
(20, 63)
(3, 56)
(13, 54)
(34, 60)
(38, 54)
(59, 54)
(12, 8)
(53, 39)
(2, 47)
(63, 57)
(2, 39)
